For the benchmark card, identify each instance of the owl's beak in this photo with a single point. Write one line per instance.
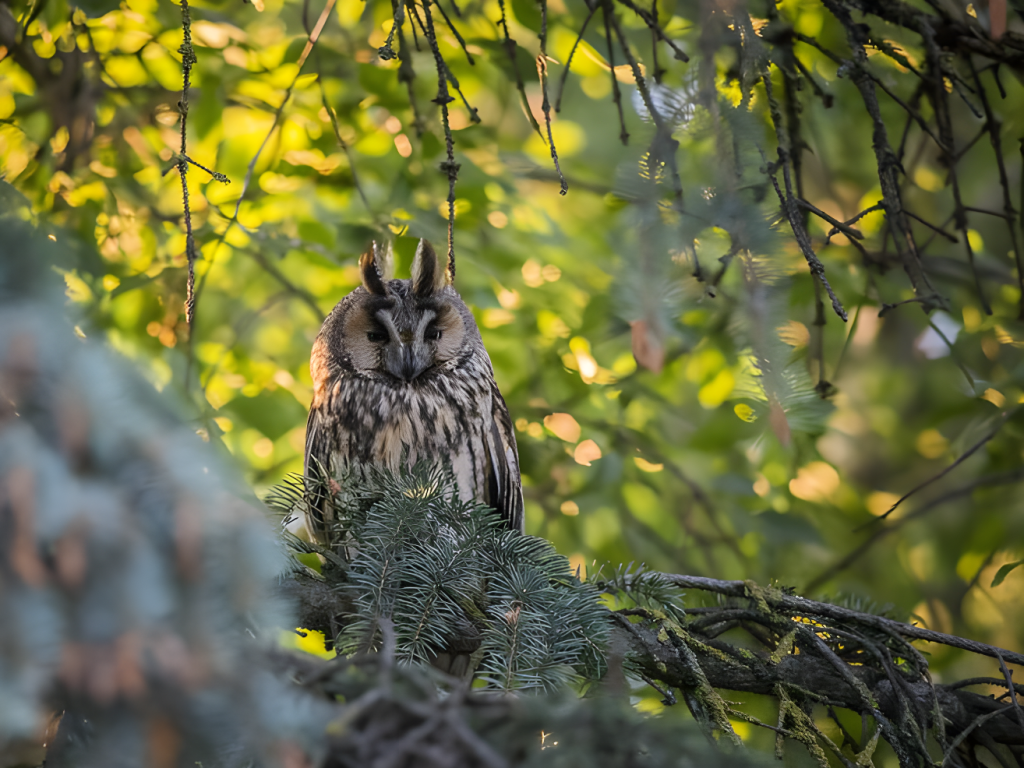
(406, 364)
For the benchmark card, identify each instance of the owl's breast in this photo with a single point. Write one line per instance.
(379, 423)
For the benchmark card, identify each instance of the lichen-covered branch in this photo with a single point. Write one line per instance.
(812, 657)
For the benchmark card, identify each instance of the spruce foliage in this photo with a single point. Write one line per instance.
(451, 578)
(132, 581)
(635, 586)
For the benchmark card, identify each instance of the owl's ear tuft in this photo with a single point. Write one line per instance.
(429, 272)
(385, 258)
(375, 267)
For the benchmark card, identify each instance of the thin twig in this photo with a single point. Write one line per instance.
(788, 200)
(1003, 478)
(663, 146)
(300, 293)
(1012, 690)
(334, 116)
(474, 116)
(888, 167)
(986, 212)
(994, 127)
(983, 681)
(608, 13)
(911, 112)
(658, 70)
(887, 307)
(667, 698)
(458, 37)
(651, 20)
(960, 460)
(386, 51)
(449, 167)
(835, 230)
(970, 144)
(406, 72)
(940, 103)
(341, 142)
(251, 169)
(850, 332)
(952, 353)
(188, 58)
(842, 226)
(826, 98)
(542, 74)
(568, 63)
(937, 230)
(975, 724)
(511, 49)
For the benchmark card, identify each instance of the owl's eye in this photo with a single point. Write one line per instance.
(432, 334)
(376, 336)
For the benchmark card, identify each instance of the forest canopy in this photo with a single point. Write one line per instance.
(749, 273)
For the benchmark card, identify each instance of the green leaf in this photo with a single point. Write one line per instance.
(1003, 572)
(56, 13)
(272, 413)
(498, 55)
(527, 14)
(96, 8)
(317, 232)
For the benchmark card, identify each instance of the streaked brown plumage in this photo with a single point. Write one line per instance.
(400, 371)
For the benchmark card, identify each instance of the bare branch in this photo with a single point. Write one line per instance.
(250, 170)
(568, 62)
(449, 167)
(888, 167)
(962, 458)
(542, 74)
(993, 126)
(651, 20)
(608, 12)
(788, 201)
(1001, 478)
(511, 49)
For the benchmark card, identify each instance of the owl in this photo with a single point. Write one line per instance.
(400, 374)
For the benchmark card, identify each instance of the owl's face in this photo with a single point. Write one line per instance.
(400, 330)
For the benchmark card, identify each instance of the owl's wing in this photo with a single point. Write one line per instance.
(316, 469)
(504, 488)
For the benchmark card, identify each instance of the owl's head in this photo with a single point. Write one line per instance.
(400, 329)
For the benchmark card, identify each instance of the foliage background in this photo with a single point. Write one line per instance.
(695, 475)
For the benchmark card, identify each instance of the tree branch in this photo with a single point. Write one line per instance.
(808, 653)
